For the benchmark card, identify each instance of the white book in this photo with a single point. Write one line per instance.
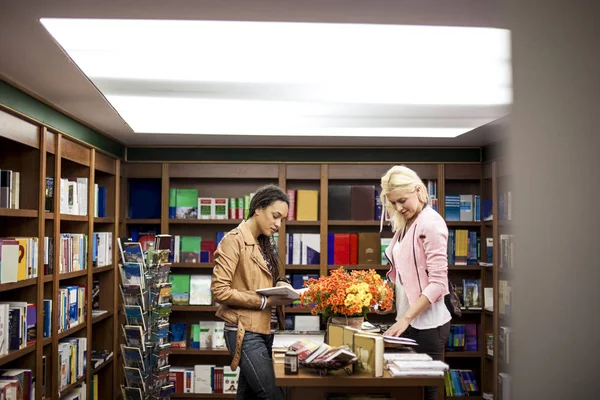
(220, 208)
(285, 291)
(466, 207)
(205, 208)
(230, 379)
(203, 378)
(200, 294)
(434, 365)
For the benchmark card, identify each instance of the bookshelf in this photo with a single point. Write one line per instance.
(37, 153)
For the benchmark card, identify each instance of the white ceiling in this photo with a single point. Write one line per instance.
(31, 60)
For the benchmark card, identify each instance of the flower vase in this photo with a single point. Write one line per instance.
(354, 322)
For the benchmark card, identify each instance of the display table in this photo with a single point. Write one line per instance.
(308, 385)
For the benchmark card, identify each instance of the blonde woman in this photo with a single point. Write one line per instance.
(418, 263)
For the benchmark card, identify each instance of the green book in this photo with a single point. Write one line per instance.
(195, 336)
(180, 289)
(172, 203)
(190, 249)
(186, 203)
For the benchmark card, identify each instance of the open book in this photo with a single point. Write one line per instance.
(285, 291)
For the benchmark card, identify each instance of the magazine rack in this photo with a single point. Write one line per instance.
(146, 294)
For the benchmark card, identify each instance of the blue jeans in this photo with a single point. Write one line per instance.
(257, 377)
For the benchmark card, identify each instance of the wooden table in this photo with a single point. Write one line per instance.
(308, 385)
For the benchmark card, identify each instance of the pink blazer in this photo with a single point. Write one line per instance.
(428, 236)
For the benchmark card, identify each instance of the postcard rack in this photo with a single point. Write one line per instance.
(146, 295)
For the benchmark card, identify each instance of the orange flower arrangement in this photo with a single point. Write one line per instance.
(343, 293)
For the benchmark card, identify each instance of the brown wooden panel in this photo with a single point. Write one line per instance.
(303, 171)
(141, 170)
(224, 171)
(105, 163)
(16, 129)
(50, 142)
(75, 152)
(376, 171)
(463, 171)
(487, 171)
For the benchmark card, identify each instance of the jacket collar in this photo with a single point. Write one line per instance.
(246, 234)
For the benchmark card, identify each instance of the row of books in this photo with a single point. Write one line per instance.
(72, 306)
(303, 205)
(18, 321)
(74, 196)
(460, 382)
(72, 360)
(17, 383)
(356, 248)
(193, 249)
(203, 335)
(204, 379)
(10, 189)
(18, 259)
(186, 204)
(462, 337)
(506, 251)
(72, 252)
(102, 249)
(191, 289)
(469, 294)
(504, 296)
(467, 207)
(464, 247)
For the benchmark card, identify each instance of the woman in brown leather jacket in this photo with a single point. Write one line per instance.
(245, 261)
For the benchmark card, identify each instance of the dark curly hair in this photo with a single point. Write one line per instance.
(263, 198)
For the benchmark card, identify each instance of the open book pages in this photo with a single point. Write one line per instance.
(285, 291)
(400, 340)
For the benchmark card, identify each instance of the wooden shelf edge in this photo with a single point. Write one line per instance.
(353, 223)
(47, 341)
(463, 354)
(71, 331)
(79, 218)
(151, 221)
(99, 270)
(104, 220)
(102, 317)
(101, 366)
(74, 274)
(69, 388)
(5, 287)
(15, 354)
(303, 223)
(48, 278)
(18, 213)
(311, 267)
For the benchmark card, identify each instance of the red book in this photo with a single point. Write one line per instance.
(341, 248)
(353, 248)
(291, 194)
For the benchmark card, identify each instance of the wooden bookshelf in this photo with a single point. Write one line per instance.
(37, 151)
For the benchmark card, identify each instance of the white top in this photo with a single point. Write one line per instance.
(435, 315)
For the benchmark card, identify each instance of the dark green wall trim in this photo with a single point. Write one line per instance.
(347, 155)
(493, 151)
(33, 108)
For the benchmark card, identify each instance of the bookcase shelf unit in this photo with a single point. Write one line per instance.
(237, 179)
(38, 152)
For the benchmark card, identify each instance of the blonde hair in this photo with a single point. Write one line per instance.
(405, 180)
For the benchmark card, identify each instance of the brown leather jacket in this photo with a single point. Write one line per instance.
(239, 270)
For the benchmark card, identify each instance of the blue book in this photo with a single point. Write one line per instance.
(144, 198)
(101, 201)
